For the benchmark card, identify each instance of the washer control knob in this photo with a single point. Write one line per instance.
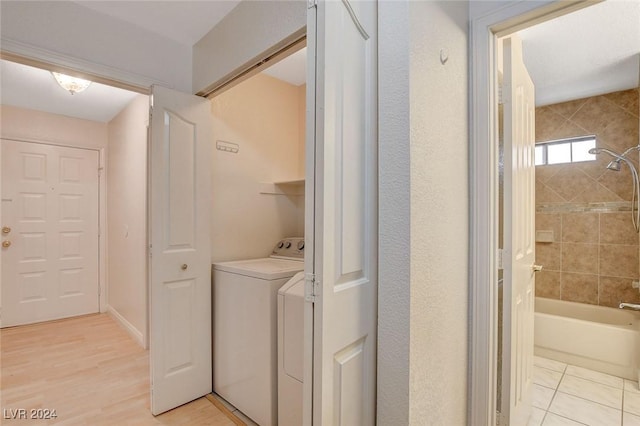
(287, 244)
(281, 244)
(300, 245)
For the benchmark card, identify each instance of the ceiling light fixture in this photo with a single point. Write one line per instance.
(72, 84)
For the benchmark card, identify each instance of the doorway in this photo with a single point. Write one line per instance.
(516, 18)
(50, 232)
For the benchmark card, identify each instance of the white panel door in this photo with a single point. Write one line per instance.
(519, 241)
(343, 36)
(50, 232)
(180, 263)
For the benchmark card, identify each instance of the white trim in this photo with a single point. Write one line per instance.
(513, 16)
(133, 332)
(32, 52)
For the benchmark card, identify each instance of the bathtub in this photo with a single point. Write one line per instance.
(595, 337)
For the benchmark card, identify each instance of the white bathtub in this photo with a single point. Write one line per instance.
(595, 337)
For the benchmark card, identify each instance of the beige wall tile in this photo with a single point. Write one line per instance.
(620, 183)
(578, 257)
(580, 227)
(544, 194)
(614, 290)
(567, 109)
(544, 173)
(617, 228)
(569, 182)
(596, 193)
(581, 288)
(619, 260)
(596, 114)
(546, 123)
(550, 222)
(613, 118)
(621, 132)
(569, 129)
(548, 284)
(627, 99)
(548, 255)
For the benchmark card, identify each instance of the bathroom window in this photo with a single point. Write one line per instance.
(572, 150)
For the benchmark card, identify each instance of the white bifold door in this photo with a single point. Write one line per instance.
(519, 241)
(341, 37)
(49, 232)
(180, 254)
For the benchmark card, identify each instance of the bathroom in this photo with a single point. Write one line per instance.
(586, 349)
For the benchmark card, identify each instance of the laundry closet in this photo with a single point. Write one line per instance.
(257, 239)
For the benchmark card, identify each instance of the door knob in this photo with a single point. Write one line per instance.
(536, 268)
(6, 229)
(6, 244)
(184, 266)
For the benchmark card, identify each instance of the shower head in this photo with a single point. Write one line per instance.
(614, 165)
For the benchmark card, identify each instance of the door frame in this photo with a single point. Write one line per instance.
(102, 213)
(483, 172)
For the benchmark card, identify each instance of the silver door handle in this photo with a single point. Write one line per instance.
(536, 268)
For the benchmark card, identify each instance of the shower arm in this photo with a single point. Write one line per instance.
(637, 148)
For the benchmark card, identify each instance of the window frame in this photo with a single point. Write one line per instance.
(569, 141)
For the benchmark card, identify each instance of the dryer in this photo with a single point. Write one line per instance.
(290, 351)
(245, 328)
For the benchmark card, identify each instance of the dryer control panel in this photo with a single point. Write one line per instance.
(289, 248)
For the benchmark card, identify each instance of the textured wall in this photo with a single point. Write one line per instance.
(439, 212)
(594, 255)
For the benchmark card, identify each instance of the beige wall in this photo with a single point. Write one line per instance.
(261, 115)
(594, 256)
(127, 216)
(31, 125)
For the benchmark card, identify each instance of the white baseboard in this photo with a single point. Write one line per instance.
(134, 332)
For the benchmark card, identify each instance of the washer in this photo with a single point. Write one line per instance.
(290, 351)
(245, 329)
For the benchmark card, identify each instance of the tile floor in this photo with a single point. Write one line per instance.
(566, 395)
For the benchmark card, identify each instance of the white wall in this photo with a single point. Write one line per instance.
(243, 36)
(261, 115)
(127, 217)
(59, 31)
(423, 214)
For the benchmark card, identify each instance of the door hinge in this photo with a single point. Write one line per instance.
(311, 288)
(500, 95)
(312, 3)
(150, 250)
(500, 261)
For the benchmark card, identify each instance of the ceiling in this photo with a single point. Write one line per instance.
(34, 88)
(593, 51)
(183, 21)
(590, 52)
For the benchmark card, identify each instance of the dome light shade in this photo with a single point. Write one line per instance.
(72, 84)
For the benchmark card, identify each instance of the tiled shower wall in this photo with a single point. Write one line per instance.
(594, 256)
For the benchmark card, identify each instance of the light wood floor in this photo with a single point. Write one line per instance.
(90, 371)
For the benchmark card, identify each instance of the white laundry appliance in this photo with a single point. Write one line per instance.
(245, 329)
(290, 351)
